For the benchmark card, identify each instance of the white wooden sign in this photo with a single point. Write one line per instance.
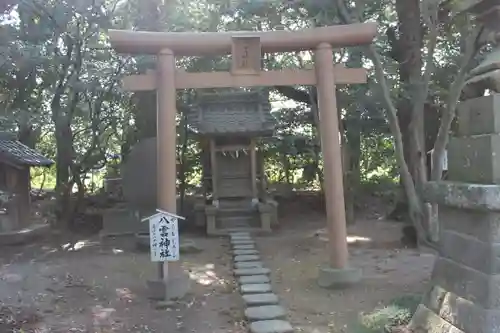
(164, 236)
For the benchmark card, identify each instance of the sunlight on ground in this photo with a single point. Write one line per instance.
(357, 239)
(351, 239)
(205, 275)
(125, 294)
(77, 246)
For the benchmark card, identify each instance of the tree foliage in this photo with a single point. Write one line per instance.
(60, 90)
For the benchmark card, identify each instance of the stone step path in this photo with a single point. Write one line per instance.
(248, 264)
(263, 311)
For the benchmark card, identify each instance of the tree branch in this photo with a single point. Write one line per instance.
(471, 49)
(415, 205)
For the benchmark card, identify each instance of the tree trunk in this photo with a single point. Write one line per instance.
(183, 161)
(407, 50)
(64, 160)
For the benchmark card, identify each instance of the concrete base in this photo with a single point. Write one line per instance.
(338, 277)
(121, 222)
(23, 236)
(175, 288)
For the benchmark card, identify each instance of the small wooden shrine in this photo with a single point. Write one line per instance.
(234, 190)
(15, 186)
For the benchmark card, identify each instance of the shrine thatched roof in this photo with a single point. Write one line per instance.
(15, 153)
(240, 113)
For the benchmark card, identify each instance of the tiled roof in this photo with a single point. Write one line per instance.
(232, 113)
(13, 151)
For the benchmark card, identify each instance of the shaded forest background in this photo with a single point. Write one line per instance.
(60, 91)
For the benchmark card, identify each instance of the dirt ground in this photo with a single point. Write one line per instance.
(298, 250)
(88, 286)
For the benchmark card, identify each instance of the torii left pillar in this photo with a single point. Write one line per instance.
(172, 282)
(338, 273)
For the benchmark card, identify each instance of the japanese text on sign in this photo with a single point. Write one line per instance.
(164, 237)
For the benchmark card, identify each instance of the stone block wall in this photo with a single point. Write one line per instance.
(465, 284)
(464, 293)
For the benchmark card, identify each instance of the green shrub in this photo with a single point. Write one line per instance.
(381, 320)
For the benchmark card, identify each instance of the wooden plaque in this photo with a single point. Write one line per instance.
(246, 52)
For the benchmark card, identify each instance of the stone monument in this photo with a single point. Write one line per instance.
(465, 285)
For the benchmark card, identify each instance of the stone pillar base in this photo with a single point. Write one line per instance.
(175, 288)
(338, 277)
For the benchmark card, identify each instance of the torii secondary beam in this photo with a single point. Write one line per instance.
(204, 43)
(285, 77)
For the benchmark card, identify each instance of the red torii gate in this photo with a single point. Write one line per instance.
(247, 48)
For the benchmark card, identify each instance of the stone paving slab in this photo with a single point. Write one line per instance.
(252, 271)
(254, 279)
(239, 233)
(265, 312)
(242, 241)
(248, 264)
(244, 247)
(262, 288)
(271, 326)
(250, 257)
(241, 237)
(260, 299)
(244, 252)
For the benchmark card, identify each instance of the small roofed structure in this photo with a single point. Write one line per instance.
(234, 188)
(232, 114)
(15, 185)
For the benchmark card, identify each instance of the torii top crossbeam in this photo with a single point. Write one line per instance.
(204, 43)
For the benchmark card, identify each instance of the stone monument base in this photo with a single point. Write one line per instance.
(465, 291)
(338, 277)
(23, 236)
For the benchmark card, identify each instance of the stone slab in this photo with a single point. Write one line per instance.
(426, 321)
(479, 116)
(265, 312)
(248, 264)
(254, 279)
(244, 247)
(176, 288)
(474, 159)
(239, 233)
(463, 195)
(486, 226)
(252, 271)
(251, 257)
(470, 284)
(118, 221)
(241, 237)
(262, 288)
(23, 236)
(466, 250)
(260, 299)
(338, 278)
(244, 252)
(461, 313)
(271, 326)
(242, 242)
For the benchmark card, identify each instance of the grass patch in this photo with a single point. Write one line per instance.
(383, 319)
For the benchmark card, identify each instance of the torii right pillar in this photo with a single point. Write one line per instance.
(338, 273)
(464, 293)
